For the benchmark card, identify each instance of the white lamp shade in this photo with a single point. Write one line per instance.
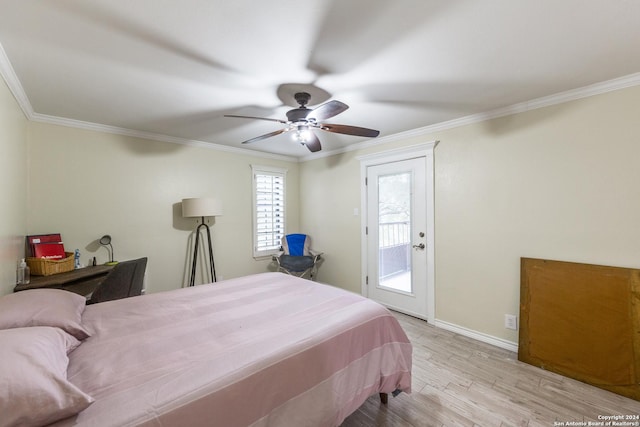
(198, 207)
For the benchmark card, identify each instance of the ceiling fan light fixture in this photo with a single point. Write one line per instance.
(301, 120)
(302, 134)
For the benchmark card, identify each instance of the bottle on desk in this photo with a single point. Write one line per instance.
(23, 273)
(76, 259)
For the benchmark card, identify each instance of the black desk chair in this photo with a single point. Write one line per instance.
(125, 280)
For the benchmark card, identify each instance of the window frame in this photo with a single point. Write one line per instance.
(268, 171)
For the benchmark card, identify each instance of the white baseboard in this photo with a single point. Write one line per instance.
(498, 342)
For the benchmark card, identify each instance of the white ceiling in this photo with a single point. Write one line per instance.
(173, 68)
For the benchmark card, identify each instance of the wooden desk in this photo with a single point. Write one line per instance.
(82, 281)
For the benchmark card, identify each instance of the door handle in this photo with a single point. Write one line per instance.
(420, 246)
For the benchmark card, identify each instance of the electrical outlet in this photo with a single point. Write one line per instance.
(511, 321)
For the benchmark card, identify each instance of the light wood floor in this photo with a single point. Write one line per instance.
(458, 381)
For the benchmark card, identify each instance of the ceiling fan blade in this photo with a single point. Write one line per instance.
(313, 144)
(257, 118)
(350, 130)
(265, 136)
(328, 110)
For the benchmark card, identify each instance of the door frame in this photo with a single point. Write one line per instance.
(411, 152)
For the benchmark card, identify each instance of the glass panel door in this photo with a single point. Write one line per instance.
(394, 231)
(396, 242)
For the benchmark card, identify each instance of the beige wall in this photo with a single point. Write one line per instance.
(330, 193)
(84, 184)
(13, 187)
(560, 182)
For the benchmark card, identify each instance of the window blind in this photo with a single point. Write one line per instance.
(270, 216)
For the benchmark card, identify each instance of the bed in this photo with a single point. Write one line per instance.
(263, 350)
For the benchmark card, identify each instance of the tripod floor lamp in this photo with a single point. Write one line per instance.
(201, 207)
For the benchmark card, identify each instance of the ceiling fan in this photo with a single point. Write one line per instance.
(303, 120)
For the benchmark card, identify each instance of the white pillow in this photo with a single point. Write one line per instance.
(33, 371)
(44, 307)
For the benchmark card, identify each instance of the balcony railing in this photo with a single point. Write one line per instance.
(394, 248)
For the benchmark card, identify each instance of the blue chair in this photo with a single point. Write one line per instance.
(296, 257)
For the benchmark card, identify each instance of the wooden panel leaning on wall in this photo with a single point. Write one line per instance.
(582, 321)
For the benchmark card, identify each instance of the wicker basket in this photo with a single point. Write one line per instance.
(47, 267)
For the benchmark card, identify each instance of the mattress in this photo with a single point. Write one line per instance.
(263, 350)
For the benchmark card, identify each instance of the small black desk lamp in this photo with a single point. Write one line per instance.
(106, 241)
(201, 207)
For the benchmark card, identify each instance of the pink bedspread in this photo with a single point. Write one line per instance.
(262, 350)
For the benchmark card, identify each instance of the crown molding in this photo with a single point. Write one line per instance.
(61, 121)
(546, 101)
(10, 77)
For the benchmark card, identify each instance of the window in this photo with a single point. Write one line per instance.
(268, 209)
